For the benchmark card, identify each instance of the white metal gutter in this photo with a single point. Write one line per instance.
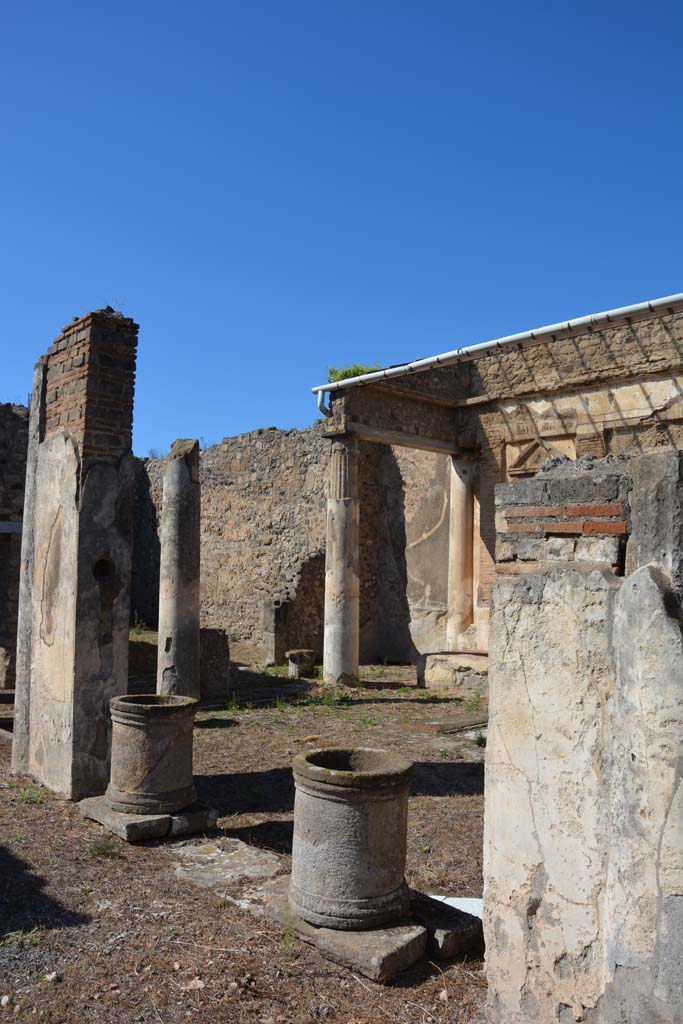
(539, 336)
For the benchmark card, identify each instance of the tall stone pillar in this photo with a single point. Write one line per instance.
(460, 550)
(75, 603)
(22, 692)
(178, 660)
(342, 588)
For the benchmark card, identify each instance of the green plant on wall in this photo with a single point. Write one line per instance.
(334, 375)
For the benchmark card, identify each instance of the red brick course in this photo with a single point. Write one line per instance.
(91, 383)
(535, 511)
(525, 528)
(572, 527)
(595, 511)
(610, 527)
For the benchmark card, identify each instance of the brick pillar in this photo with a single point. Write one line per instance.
(81, 525)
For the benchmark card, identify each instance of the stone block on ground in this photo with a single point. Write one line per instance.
(458, 672)
(379, 954)
(194, 819)
(136, 828)
(451, 932)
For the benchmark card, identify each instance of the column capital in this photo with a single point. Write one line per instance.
(342, 476)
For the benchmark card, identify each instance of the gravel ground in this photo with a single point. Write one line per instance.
(94, 930)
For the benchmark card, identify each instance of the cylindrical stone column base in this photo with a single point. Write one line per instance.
(350, 834)
(151, 754)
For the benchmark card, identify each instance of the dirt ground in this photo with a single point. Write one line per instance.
(92, 929)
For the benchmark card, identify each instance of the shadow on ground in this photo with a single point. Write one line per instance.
(242, 792)
(273, 790)
(216, 723)
(23, 904)
(447, 778)
(270, 835)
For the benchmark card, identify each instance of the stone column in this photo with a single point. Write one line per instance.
(342, 589)
(75, 601)
(460, 550)
(178, 660)
(22, 693)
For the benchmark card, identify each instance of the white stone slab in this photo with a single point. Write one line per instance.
(467, 904)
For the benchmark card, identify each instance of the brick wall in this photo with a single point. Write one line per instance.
(91, 383)
(575, 513)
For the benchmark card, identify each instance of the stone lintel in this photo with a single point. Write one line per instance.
(382, 435)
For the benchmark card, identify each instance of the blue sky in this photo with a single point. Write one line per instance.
(270, 188)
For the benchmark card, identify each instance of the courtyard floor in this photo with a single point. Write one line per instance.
(92, 929)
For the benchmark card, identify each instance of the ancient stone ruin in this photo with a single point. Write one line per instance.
(178, 657)
(583, 889)
(349, 847)
(507, 518)
(74, 603)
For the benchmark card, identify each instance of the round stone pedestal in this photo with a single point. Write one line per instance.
(151, 754)
(350, 831)
(301, 663)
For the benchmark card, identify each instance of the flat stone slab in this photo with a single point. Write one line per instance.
(379, 954)
(135, 828)
(461, 724)
(470, 904)
(451, 932)
(223, 863)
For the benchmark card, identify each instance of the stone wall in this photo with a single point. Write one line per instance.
(583, 867)
(13, 441)
(580, 515)
(263, 543)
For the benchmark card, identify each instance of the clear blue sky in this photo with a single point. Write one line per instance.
(270, 188)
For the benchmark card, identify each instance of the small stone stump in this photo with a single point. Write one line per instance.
(151, 754)
(350, 834)
(301, 663)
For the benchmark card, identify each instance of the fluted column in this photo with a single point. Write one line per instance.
(460, 550)
(342, 589)
(178, 658)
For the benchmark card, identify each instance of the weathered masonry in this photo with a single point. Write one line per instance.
(263, 512)
(607, 383)
(13, 441)
(583, 843)
(74, 605)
